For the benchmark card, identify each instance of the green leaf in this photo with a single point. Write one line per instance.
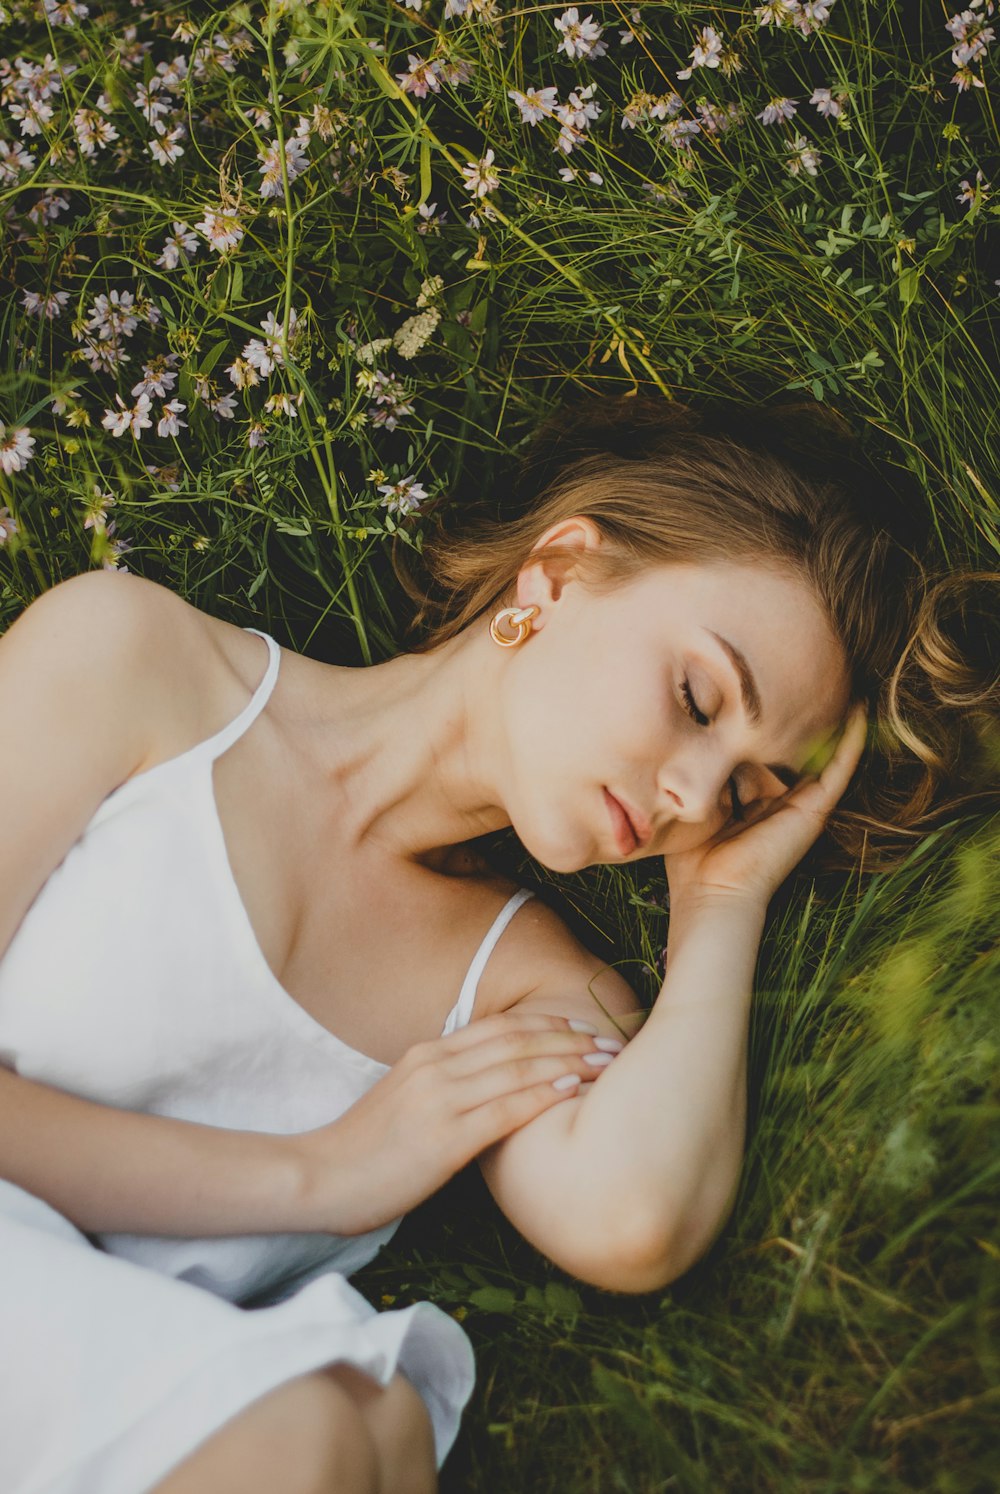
(386, 83)
(562, 1300)
(425, 171)
(909, 285)
(493, 1299)
(213, 357)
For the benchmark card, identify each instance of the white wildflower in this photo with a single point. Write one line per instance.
(50, 305)
(804, 157)
(284, 404)
(776, 12)
(680, 132)
(135, 418)
(707, 51)
(969, 193)
(181, 239)
(158, 377)
(402, 497)
(13, 160)
(420, 77)
(16, 448)
(113, 316)
(811, 15)
(97, 509)
(296, 162)
(480, 178)
(579, 38)
(535, 104)
(243, 374)
(826, 103)
(222, 229)
(169, 424)
(416, 332)
(777, 110)
(31, 116)
(165, 150)
(430, 290)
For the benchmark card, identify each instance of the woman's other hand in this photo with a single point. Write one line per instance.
(750, 860)
(443, 1103)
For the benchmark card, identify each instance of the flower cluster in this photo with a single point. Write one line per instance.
(580, 39)
(971, 33)
(805, 16)
(402, 497)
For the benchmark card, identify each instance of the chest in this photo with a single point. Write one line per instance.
(374, 950)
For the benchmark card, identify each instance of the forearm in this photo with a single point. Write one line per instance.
(663, 1131)
(111, 1170)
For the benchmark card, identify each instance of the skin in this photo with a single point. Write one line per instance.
(530, 736)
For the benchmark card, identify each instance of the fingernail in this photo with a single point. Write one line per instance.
(598, 1059)
(582, 1026)
(567, 1081)
(608, 1045)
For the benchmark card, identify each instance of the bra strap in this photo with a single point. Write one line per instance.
(461, 1012)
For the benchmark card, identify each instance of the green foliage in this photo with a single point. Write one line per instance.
(842, 1334)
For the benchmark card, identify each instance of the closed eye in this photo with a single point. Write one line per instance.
(699, 716)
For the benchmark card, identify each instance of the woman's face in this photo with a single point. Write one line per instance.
(678, 692)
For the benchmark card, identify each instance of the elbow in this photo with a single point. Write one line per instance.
(648, 1259)
(635, 1264)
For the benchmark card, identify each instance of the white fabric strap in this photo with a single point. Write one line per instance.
(213, 747)
(461, 1012)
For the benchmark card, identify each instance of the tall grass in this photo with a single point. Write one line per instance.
(842, 1334)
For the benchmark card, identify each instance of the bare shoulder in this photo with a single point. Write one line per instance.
(546, 968)
(167, 656)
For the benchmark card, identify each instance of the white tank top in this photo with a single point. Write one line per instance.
(135, 979)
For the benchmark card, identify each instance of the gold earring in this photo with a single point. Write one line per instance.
(519, 617)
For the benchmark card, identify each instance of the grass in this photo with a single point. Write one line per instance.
(842, 1333)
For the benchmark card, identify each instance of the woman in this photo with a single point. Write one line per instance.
(223, 1072)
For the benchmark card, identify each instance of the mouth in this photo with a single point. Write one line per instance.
(626, 831)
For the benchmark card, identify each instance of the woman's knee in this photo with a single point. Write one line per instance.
(400, 1427)
(305, 1437)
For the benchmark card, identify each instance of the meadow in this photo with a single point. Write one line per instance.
(283, 285)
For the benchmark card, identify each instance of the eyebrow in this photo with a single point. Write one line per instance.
(750, 696)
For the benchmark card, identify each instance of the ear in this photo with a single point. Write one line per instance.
(541, 579)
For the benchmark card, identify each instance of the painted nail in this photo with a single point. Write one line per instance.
(582, 1026)
(567, 1081)
(598, 1059)
(608, 1045)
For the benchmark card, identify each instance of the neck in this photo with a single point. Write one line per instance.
(412, 749)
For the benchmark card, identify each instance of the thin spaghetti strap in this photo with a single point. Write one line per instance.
(461, 1012)
(213, 747)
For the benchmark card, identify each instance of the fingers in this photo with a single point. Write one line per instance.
(500, 1054)
(497, 1118)
(836, 775)
(819, 794)
(483, 1029)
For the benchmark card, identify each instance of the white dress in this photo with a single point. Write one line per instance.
(135, 980)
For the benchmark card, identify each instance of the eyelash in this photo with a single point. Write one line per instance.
(702, 720)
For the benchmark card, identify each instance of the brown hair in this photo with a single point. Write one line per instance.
(788, 485)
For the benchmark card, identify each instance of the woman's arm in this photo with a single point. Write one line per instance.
(629, 1184)
(111, 1170)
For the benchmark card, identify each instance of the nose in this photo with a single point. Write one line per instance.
(695, 790)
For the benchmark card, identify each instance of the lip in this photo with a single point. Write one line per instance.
(627, 830)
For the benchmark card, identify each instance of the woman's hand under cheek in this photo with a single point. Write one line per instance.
(750, 860)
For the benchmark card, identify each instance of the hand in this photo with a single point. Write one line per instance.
(751, 859)
(443, 1103)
